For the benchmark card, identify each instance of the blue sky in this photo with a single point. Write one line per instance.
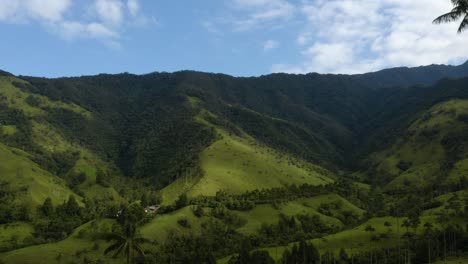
(239, 37)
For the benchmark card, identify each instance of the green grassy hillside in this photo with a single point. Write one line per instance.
(16, 234)
(31, 104)
(267, 214)
(80, 246)
(433, 148)
(36, 183)
(163, 225)
(237, 163)
(39, 160)
(45, 136)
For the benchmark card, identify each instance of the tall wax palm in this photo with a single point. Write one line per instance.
(127, 243)
(460, 10)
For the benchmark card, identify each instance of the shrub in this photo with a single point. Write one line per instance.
(404, 165)
(33, 101)
(183, 222)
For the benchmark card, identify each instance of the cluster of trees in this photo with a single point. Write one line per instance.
(302, 253)
(248, 200)
(229, 218)
(294, 228)
(334, 209)
(58, 163)
(248, 255)
(13, 117)
(11, 211)
(141, 123)
(216, 239)
(427, 247)
(57, 222)
(219, 238)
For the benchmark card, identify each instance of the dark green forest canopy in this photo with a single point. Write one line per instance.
(146, 125)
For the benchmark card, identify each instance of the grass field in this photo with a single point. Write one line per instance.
(8, 130)
(38, 184)
(15, 234)
(162, 225)
(267, 214)
(78, 247)
(237, 164)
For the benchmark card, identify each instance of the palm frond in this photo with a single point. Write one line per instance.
(449, 17)
(119, 250)
(112, 247)
(138, 249)
(463, 25)
(458, 2)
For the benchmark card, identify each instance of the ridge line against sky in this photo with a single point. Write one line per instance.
(54, 38)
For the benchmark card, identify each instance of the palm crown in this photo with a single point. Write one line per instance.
(460, 10)
(127, 243)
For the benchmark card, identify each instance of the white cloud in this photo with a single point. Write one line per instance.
(304, 38)
(270, 45)
(261, 12)
(71, 30)
(353, 36)
(329, 55)
(109, 11)
(133, 7)
(16, 11)
(106, 21)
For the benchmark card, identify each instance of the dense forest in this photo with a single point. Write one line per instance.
(192, 167)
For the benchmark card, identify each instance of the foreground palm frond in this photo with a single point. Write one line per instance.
(460, 10)
(127, 243)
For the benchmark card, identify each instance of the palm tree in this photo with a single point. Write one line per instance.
(127, 242)
(428, 233)
(443, 220)
(371, 229)
(459, 11)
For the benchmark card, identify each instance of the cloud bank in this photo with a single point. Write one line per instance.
(355, 36)
(104, 20)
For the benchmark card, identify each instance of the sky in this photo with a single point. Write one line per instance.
(55, 38)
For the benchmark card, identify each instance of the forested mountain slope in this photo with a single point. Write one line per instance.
(321, 118)
(270, 160)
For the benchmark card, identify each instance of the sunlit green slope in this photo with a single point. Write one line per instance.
(434, 148)
(18, 168)
(237, 163)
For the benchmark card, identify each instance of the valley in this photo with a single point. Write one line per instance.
(369, 168)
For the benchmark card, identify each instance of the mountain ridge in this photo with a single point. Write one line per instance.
(333, 109)
(438, 66)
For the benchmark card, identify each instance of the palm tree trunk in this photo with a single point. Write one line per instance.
(429, 251)
(445, 249)
(398, 232)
